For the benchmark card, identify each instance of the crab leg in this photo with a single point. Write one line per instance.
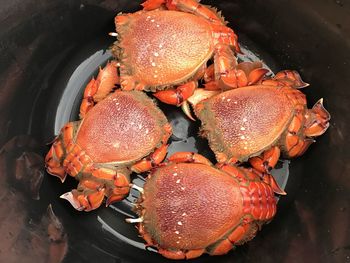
(154, 159)
(291, 78)
(179, 254)
(189, 157)
(189, 6)
(317, 120)
(230, 75)
(97, 89)
(157, 156)
(247, 73)
(95, 185)
(267, 161)
(85, 200)
(58, 151)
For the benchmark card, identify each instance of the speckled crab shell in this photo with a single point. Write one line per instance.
(162, 48)
(192, 208)
(122, 129)
(242, 123)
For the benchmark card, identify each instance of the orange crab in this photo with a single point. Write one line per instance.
(123, 132)
(189, 207)
(166, 47)
(260, 121)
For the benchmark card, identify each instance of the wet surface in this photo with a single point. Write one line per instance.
(49, 51)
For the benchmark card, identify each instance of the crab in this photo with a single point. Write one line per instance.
(119, 132)
(166, 46)
(188, 207)
(260, 122)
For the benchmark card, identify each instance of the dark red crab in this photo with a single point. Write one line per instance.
(118, 133)
(260, 121)
(189, 207)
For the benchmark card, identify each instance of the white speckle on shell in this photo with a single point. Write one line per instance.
(155, 76)
(175, 174)
(152, 20)
(178, 181)
(242, 128)
(183, 188)
(153, 64)
(235, 102)
(228, 100)
(179, 223)
(158, 25)
(114, 99)
(160, 45)
(244, 119)
(156, 54)
(184, 214)
(242, 137)
(177, 232)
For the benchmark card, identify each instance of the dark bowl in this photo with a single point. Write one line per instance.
(48, 52)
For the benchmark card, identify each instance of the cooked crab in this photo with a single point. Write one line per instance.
(166, 46)
(118, 133)
(260, 121)
(189, 207)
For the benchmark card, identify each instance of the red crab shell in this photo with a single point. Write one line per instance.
(163, 48)
(124, 128)
(192, 208)
(125, 131)
(245, 122)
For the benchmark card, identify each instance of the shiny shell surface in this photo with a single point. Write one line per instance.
(245, 121)
(190, 206)
(164, 47)
(125, 126)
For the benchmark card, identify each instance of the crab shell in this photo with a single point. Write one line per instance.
(244, 122)
(161, 48)
(121, 129)
(123, 132)
(192, 208)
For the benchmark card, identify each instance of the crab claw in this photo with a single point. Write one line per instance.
(178, 95)
(317, 120)
(82, 201)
